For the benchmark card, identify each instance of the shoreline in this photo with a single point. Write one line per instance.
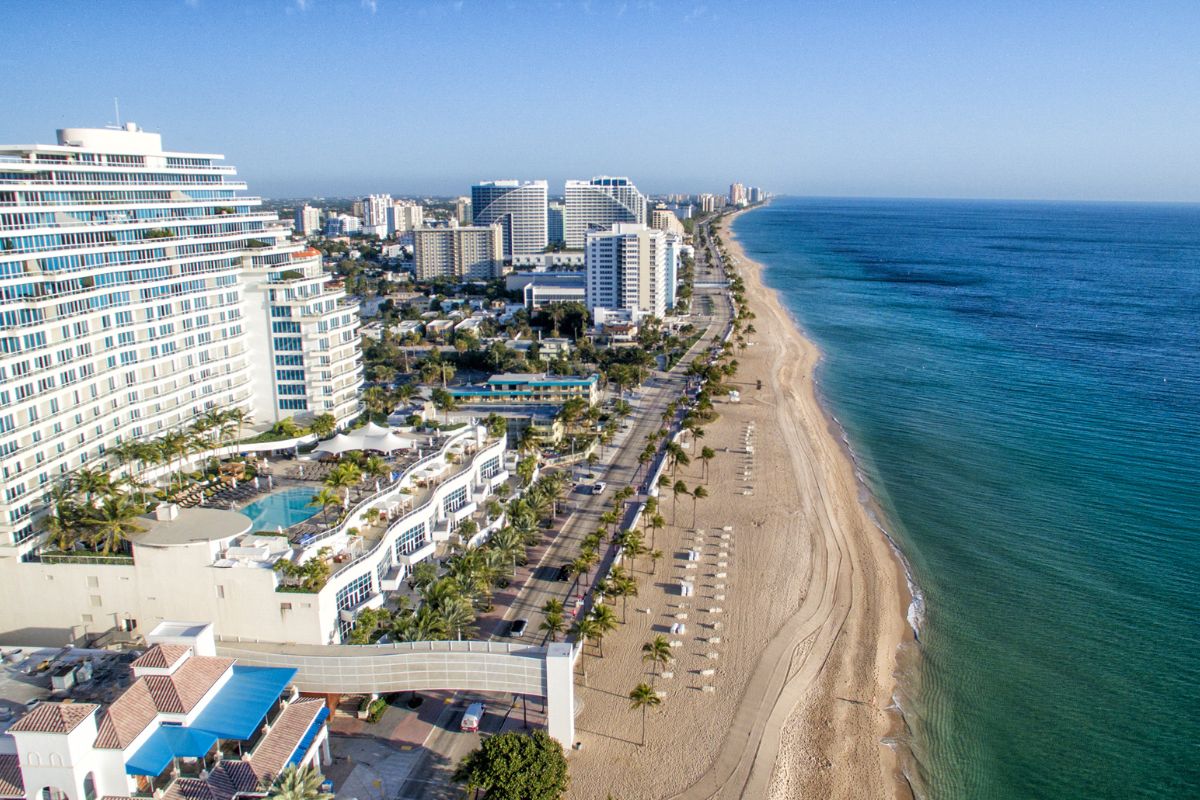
(782, 677)
(907, 593)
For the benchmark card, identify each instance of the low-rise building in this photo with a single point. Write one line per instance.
(530, 389)
(190, 725)
(539, 289)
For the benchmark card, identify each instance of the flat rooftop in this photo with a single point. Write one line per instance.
(191, 526)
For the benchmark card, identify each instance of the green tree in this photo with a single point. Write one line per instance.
(113, 522)
(707, 454)
(657, 651)
(516, 766)
(699, 493)
(678, 488)
(323, 425)
(325, 499)
(298, 783)
(643, 696)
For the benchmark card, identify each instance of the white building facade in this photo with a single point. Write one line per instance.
(308, 221)
(602, 201)
(125, 272)
(519, 208)
(626, 268)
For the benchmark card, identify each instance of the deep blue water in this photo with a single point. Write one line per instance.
(1020, 384)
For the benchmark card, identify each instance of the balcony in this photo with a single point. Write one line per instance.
(417, 556)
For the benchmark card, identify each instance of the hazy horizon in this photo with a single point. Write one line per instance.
(326, 98)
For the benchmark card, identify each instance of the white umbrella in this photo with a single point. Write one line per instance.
(279, 528)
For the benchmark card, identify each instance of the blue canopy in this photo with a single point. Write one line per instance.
(166, 743)
(309, 735)
(243, 702)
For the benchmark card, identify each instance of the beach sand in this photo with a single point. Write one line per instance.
(805, 596)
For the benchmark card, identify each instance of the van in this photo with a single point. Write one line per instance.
(471, 718)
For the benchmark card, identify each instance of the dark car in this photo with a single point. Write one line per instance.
(564, 572)
(517, 629)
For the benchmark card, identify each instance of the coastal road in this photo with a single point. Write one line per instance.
(582, 510)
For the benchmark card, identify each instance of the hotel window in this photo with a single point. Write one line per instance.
(455, 500)
(411, 540)
(491, 468)
(354, 593)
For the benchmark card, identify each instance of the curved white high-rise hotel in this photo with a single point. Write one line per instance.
(519, 208)
(138, 290)
(603, 201)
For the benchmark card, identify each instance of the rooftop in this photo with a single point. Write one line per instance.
(53, 718)
(191, 526)
(161, 656)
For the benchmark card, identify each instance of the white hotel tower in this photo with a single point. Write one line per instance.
(602, 201)
(138, 290)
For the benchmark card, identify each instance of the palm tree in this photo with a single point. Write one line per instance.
(238, 416)
(286, 428)
(707, 454)
(376, 467)
(658, 652)
(113, 522)
(699, 493)
(323, 425)
(606, 621)
(655, 556)
(298, 783)
(444, 401)
(326, 499)
(643, 696)
(553, 625)
(677, 489)
(92, 482)
(583, 630)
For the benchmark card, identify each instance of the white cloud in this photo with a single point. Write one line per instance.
(370, 5)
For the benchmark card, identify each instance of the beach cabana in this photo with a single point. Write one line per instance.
(339, 444)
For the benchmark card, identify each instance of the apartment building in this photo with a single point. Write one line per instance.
(626, 268)
(404, 216)
(375, 214)
(664, 219)
(468, 252)
(138, 290)
(308, 221)
(599, 202)
(524, 388)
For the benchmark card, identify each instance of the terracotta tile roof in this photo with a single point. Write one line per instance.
(11, 782)
(54, 718)
(190, 789)
(161, 656)
(272, 753)
(230, 778)
(177, 693)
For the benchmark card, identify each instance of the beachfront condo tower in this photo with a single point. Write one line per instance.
(519, 208)
(139, 290)
(626, 269)
(600, 202)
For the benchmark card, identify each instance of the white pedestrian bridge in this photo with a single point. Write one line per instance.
(425, 666)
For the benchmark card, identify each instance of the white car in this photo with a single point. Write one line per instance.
(599, 487)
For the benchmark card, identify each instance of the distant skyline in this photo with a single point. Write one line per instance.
(1052, 100)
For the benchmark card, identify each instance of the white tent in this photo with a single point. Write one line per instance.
(339, 444)
(386, 443)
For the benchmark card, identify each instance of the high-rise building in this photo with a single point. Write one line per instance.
(519, 208)
(602, 201)
(709, 203)
(554, 222)
(737, 194)
(466, 251)
(308, 221)
(664, 219)
(754, 195)
(673, 253)
(403, 216)
(626, 269)
(462, 211)
(342, 225)
(140, 291)
(375, 214)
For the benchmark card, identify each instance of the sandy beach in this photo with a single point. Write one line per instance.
(783, 679)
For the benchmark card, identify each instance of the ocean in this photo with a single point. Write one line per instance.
(1020, 386)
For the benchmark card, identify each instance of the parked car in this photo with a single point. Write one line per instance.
(598, 487)
(517, 629)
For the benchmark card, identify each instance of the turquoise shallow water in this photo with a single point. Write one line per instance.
(1020, 384)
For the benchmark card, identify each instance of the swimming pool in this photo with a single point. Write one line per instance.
(281, 509)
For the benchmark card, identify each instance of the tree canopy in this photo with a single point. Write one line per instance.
(516, 766)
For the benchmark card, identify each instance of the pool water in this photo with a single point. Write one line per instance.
(281, 509)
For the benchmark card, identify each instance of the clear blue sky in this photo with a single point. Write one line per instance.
(1057, 99)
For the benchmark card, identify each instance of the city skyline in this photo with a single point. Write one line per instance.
(1074, 102)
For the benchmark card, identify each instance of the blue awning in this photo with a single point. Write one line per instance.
(243, 702)
(166, 743)
(309, 735)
